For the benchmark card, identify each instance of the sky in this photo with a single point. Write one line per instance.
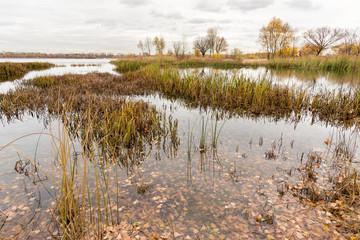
(116, 26)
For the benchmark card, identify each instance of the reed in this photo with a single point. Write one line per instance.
(215, 133)
(244, 96)
(337, 63)
(203, 135)
(11, 71)
(127, 66)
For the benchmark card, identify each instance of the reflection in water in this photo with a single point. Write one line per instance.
(238, 189)
(314, 81)
(240, 186)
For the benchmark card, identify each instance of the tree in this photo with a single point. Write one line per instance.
(350, 45)
(236, 53)
(202, 45)
(211, 38)
(322, 38)
(159, 44)
(306, 50)
(275, 37)
(141, 46)
(177, 48)
(148, 45)
(221, 45)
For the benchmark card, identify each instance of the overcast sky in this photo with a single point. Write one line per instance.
(116, 26)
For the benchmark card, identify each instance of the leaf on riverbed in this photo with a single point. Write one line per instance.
(270, 237)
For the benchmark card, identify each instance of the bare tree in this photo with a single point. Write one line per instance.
(141, 46)
(221, 45)
(211, 38)
(322, 38)
(202, 44)
(177, 48)
(350, 44)
(148, 45)
(275, 37)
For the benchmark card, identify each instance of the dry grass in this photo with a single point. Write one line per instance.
(11, 71)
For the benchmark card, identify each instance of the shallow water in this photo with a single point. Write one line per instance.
(312, 81)
(216, 193)
(63, 66)
(233, 191)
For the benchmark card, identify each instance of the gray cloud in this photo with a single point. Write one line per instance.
(302, 4)
(134, 2)
(175, 15)
(248, 5)
(208, 6)
(7, 23)
(201, 20)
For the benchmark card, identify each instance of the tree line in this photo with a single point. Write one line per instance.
(57, 55)
(277, 39)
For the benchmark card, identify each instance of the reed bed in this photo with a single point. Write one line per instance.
(112, 132)
(115, 120)
(244, 96)
(11, 71)
(123, 66)
(127, 66)
(337, 64)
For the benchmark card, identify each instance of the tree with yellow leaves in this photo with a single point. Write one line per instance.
(159, 44)
(276, 37)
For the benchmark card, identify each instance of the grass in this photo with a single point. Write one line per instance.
(11, 71)
(112, 132)
(126, 65)
(337, 63)
(244, 96)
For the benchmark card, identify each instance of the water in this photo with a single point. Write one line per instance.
(63, 66)
(233, 191)
(312, 81)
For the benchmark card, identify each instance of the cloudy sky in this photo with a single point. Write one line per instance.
(116, 26)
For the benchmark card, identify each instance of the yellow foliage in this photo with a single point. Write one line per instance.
(252, 56)
(197, 53)
(218, 55)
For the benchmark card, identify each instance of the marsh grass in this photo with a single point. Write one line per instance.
(203, 135)
(109, 131)
(336, 64)
(244, 96)
(128, 66)
(132, 65)
(11, 71)
(215, 132)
